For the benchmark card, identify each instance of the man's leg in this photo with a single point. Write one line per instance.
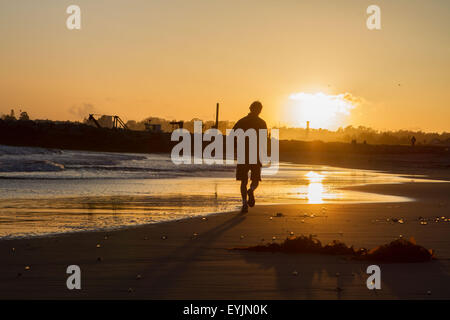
(254, 185)
(244, 195)
(255, 177)
(251, 195)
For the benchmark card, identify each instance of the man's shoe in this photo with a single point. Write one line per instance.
(244, 209)
(251, 198)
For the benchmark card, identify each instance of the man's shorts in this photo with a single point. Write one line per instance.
(243, 169)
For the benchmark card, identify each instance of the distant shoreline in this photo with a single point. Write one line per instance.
(431, 160)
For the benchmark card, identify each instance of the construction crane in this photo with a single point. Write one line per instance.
(116, 121)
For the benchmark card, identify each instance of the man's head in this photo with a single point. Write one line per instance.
(256, 108)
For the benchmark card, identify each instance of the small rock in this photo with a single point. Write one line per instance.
(429, 292)
(99, 245)
(242, 236)
(138, 277)
(291, 233)
(274, 238)
(130, 290)
(295, 273)
(27, 268)
(163, 237)
(337, 274)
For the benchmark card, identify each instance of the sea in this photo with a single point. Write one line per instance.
(50, 191)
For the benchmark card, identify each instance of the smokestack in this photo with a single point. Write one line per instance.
(217, 116)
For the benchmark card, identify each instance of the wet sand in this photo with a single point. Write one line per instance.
(190, 259)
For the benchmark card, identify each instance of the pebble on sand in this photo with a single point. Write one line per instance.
(27, 268)
(163, 237)
(138, 277)
(295, 273)
(99, 245)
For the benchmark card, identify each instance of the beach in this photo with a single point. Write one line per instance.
(134, 140)
(192, 258)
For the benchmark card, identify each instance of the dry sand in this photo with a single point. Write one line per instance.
(188, 266)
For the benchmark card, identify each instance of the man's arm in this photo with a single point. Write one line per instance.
(237, 125)
(264, 125)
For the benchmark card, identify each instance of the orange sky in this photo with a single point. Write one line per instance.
(176, 59)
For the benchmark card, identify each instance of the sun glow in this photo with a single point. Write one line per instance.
(320, 109)
(315, 187)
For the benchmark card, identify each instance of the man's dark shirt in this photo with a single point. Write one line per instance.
(251, 121)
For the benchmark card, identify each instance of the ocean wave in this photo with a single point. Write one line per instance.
(40, 163)
(30, 166)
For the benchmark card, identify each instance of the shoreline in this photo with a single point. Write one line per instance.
(189, 258)
(356, 187)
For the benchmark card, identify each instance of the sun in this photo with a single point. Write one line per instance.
(320, 109)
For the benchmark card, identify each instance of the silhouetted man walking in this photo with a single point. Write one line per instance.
(251, 121)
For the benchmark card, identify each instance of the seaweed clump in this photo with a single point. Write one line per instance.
(399, 250)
